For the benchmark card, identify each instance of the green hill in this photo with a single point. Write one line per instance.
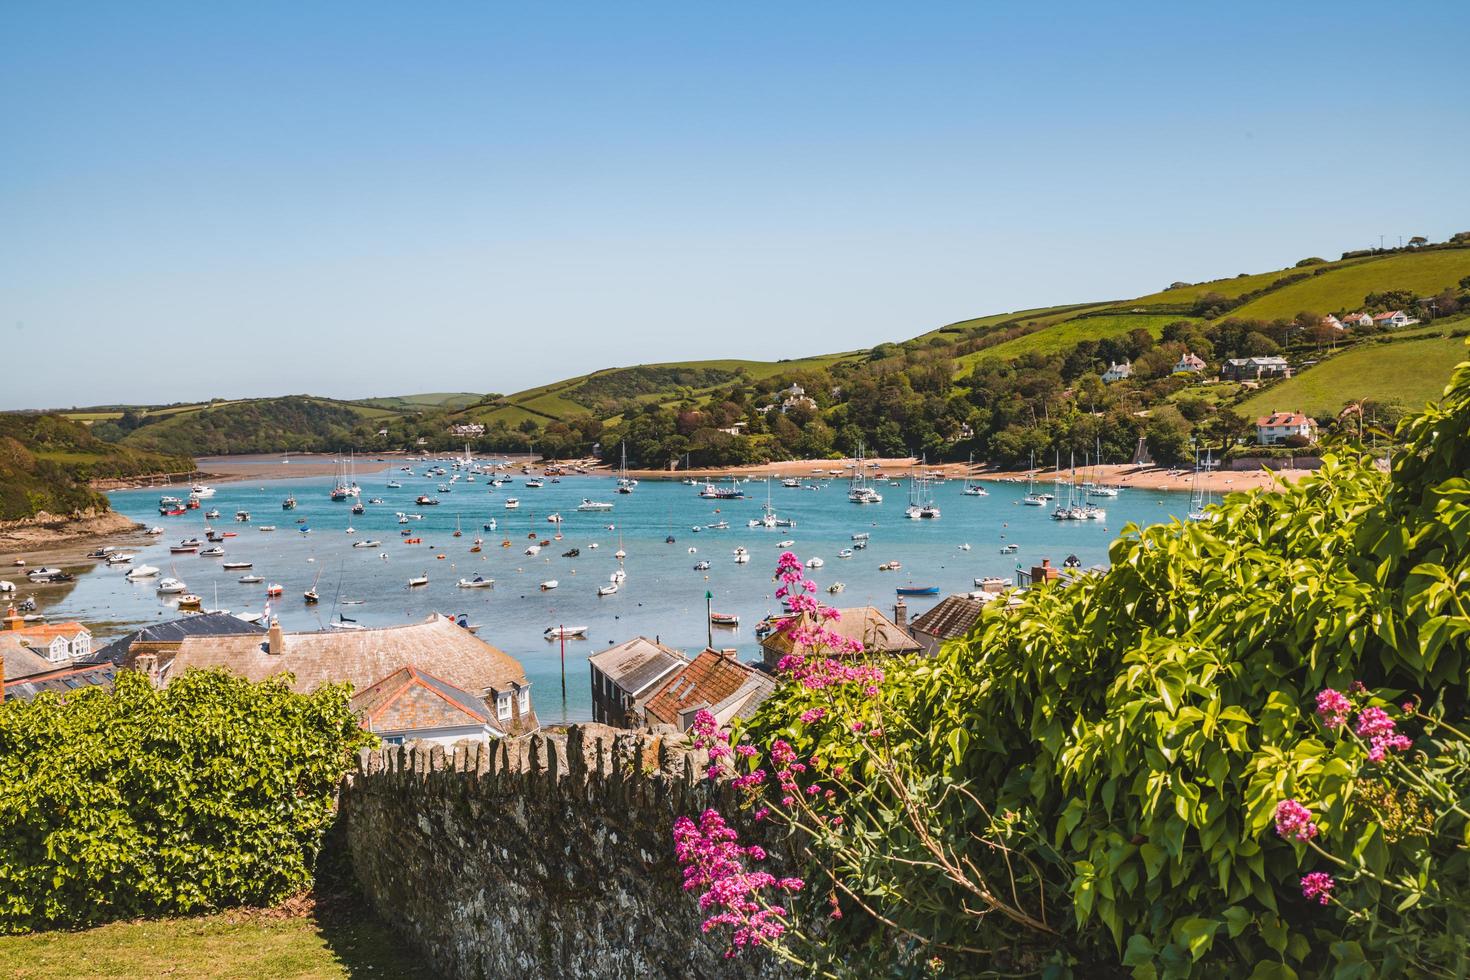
(295, 423)
(1405, 374)
(1344, 288)
(426, 400)
(47, 463)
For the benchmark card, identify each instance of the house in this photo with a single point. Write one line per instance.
(412, 705)
(1357, 320)
(1276, 428)
(166, 637)
(56, 642)
(1254, 368)
(736, 429)
(362, 658)
(1118, 372)
(1331, 321)
(57, 680)
(954, 617)
(715, 681)
(1394, 319)
(880, 635)
(1189, 364)
(794, 396)
(467, 429)
(624, 676)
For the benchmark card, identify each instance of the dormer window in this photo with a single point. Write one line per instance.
(502, 705)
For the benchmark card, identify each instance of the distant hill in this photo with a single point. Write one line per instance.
(47, 463)
(294, 423)
(433, 399)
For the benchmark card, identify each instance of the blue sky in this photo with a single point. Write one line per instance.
(357, 199)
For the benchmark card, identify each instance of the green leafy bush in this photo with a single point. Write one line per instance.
(211, 792)
(1108, 756)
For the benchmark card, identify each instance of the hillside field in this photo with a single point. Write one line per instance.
(1407, 373)
(1344, 288)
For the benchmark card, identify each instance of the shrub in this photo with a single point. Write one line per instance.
(1130, 769)
(208, 793)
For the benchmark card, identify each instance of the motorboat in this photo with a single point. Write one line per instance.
(212, 553)
(724, 619)
(511, 503)
(553, 518)
(785, 544)
(289, 503)
(701, 566)
(836, 587)
(184, 548)
(573, 553)
(589, 504)
(243, 516)
(274, 589)
(861, 536)
(532, 550)
(236, 565)
(607, 590)
(170, 505)
(343, 623)
(267, 527)
(559, 632)
(718, 526)
(845, 553)
(535, 484)
(201, 491)
(490, 525)
(618, 577)
(418, 580)
(477, 582)
(250, 579)
(211, 515)
(140, 572)
(1010, 549)
(890, 566)
(549, 584)
(815, 563)
(170, 586)
(367, 544)
(118, 558)
(155, 530)
(190, 602)
(741, 556)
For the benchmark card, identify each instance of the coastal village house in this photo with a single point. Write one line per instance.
(1393, 319)
(162, 639)
(1331, 321)
(410, 704)
(796, 396)
(1357, 320)
(57, 643)
(1189, 364)
(1254, 368)
(1276, 428)
(715, 681)
(436, 647)
(880, 636)
(624, 676)
(1118, 372)
(467, 429)
(954, 617)
(47, 658)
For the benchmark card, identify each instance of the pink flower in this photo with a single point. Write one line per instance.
(733, 895)
(1333, 707)
(857, 726)
(1318, 885)
(1294, 821)
(813, 714)
(1382, 734)
(762, 814)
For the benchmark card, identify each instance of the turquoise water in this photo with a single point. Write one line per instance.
(663, 595)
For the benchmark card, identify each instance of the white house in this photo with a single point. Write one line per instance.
(1190, 364)
(467, 429)
(1331, 321)
(1276, 428)
(1394, 319)
(1117, 372)
(1357, 320)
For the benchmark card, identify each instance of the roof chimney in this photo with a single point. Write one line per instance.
(901, 614)
(276, 644)
(13, 619)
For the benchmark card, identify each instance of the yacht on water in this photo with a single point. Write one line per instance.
(626, 484)
(921, 500)
(858, 490)
(974, 488)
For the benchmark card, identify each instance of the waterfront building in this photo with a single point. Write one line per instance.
(880, 635)
(624, 676)
(954, 617)
(715, 681)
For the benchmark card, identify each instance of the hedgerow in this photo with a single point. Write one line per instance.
(211, 792)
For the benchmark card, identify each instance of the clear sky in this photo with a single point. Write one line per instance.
(363, 198)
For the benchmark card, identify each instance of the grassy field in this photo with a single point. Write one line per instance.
(1344, 288)
(431, 399)
(232, 946)
(1067, 333)
(1236, 286)
(1408, 373)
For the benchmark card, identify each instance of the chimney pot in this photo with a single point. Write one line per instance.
(276, 639)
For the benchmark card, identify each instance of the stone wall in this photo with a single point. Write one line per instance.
(545, 857)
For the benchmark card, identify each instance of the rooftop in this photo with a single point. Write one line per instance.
(714, 680)
(60, 680)
(637, 664)
(205, 624)
(878, 633)
(411, 700)
(953, 618)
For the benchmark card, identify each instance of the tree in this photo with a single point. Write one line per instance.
(1168, 434)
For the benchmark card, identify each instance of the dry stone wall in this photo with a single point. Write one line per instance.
(545, 857)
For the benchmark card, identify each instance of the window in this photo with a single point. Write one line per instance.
(525, 698)
(502, 706)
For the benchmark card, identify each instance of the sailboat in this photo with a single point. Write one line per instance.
(858, 491)
(1032, 498)
(973, 488)
(1095, 488)
(458, 533)
(626, 484)
(1068, 511)
(1199, 496)
(921, 499)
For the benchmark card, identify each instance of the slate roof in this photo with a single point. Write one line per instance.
(879, 634)
(205, 624)
(61, 680)
(357, 657)
(638, 664)
(410, 700)
(953, 618)
(711, 679)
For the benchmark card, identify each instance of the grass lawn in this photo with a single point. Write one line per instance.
(1238, 286)
(1344, 288)
(1407, 373)
(229, 946)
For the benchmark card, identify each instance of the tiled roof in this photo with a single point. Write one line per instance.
(954, 617)
(357, 657)
(61, 681)
(1283, 418)
(20, 660)
(205, 624)
(708, 679)
(878, 633)
(1389, 315)
(637, 664)
(410, 700)
(50, 631)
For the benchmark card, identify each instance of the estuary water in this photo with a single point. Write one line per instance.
(663, 595)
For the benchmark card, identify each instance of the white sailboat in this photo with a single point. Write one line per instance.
(973, 488)
(626, 484)
(858, 490)
(1032, 498)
